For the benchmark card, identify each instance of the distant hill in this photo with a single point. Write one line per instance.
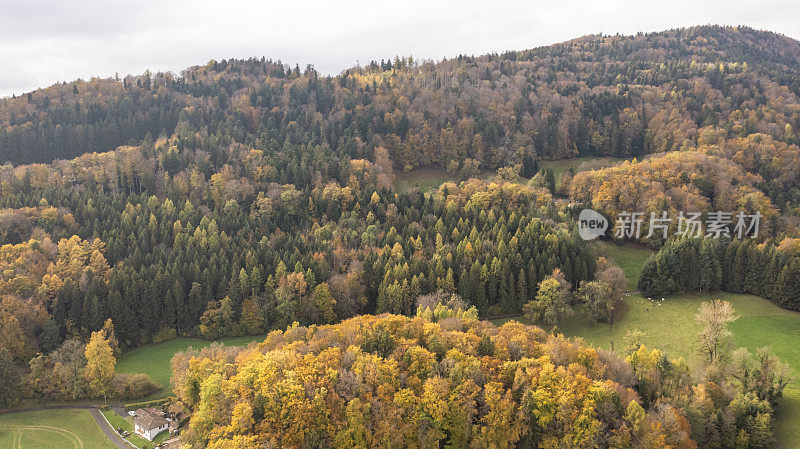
(592, 96)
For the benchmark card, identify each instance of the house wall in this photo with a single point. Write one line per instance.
(152, 433)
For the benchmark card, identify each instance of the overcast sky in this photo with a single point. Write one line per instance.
(46, 41)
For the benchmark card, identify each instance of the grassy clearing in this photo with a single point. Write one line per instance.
(428, 179)
(52, 429)
(630, 257)
(559, 166)
(154, 360)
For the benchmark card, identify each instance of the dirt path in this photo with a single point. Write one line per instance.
(76, 441)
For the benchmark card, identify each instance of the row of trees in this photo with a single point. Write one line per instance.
(738, 266)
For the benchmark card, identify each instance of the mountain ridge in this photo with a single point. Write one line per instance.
(693, 31)
(622, 96)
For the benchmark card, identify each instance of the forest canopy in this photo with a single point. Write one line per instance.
(459, 382)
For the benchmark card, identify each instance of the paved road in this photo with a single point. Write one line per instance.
(111, 434)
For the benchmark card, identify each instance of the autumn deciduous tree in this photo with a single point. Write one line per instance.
(762, 373)
(685, 180)
(599, 300)
(252, 317)
(100, 364)
(9, 380)
(20, 321)
(60, 374)
(110, 336)
(715, 338)
(552, 302)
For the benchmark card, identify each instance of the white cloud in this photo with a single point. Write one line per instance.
(46, 41)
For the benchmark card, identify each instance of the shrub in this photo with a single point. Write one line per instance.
(132, 386)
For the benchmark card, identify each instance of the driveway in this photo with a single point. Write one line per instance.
(111, 434)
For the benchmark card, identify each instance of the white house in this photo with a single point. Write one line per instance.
(147, 425)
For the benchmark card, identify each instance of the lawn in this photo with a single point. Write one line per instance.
(630, 257)
(670, 326)
(52, 429)
(154, 360)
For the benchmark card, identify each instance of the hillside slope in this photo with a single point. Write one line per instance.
(596, 95)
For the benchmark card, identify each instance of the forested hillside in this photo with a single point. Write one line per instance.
(597, 95)
(244, 196)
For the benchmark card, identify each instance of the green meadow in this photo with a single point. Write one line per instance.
(154, 360)
(52, 429)
(630, 257)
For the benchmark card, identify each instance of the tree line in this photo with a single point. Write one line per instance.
(739, 266)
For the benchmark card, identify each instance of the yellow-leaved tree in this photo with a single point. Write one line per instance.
(100, 364)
